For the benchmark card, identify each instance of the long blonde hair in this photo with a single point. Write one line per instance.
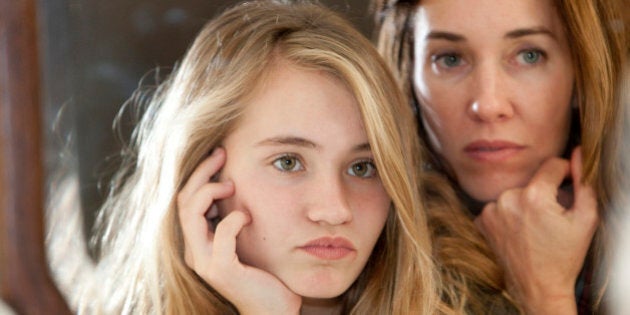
(140, 266)
(595, 28)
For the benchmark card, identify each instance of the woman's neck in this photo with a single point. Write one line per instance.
(320, 306)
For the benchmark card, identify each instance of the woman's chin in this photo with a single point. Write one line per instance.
(490, 189)
(486, 192)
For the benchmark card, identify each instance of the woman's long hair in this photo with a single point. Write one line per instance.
(598, 38)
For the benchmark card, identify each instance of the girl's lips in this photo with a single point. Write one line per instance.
(492, 151)
(329, 248)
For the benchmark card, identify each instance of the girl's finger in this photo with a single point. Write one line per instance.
(224, 247)
(199, 203)
(195, 229)
(203, 173)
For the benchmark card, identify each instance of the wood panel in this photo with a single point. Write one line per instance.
(25, 283)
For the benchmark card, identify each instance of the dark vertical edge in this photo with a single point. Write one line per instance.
(25, 282)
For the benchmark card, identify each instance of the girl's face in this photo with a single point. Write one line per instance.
(494, 79)
(303, 169)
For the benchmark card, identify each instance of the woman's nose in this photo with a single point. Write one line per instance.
(331, 204)
(490, 100)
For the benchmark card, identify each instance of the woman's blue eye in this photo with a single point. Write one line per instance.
(288, 163)
(448, 60)
(363, 169)
(530, 56)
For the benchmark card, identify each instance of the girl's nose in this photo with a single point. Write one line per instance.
(331, 206)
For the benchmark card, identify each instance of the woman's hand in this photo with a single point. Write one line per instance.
(212, 255)
(541, 244)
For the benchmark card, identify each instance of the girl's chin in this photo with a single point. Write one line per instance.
(318, 294)
(318, 282)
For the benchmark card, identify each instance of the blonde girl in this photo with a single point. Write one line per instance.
(158, 248)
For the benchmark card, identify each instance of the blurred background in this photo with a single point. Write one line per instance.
(94, 55)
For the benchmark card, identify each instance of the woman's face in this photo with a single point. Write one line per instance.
(495, 81)
(303, 169)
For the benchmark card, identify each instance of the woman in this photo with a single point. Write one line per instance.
(289, 212)
(505, 92)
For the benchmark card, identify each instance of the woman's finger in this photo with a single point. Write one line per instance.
(549, 177)
(484, 220)
(585, 205)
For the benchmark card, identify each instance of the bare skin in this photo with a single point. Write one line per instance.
(547, 242)
(213, 255)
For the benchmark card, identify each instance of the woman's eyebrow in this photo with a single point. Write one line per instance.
(453, 37)
(538, 30)
(520, 32)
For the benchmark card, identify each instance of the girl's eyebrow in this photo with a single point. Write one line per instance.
(305, 143)
(288, 140)
(362, 147)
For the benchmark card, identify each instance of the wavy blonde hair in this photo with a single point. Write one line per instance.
(598, 39)
(140, 266)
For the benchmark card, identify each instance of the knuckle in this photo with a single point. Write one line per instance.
(507, 200)
(206, 190)
(532, 194)
(592, 216)
(223, 227)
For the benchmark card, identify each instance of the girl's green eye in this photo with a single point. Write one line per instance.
(362, 169)
(287, 163)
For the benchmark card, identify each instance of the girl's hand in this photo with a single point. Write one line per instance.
(541, 244)
(212, 255)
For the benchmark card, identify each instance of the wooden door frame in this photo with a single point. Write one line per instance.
(25, 281)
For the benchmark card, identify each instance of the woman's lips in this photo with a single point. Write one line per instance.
(329, 248)
(492, 151)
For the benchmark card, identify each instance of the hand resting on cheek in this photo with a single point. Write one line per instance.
(212, 255)
(541, 244)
